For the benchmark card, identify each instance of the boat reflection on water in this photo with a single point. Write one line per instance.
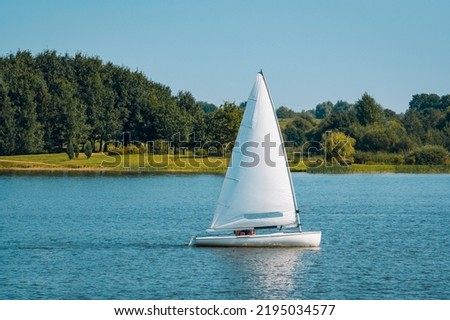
(267, 273)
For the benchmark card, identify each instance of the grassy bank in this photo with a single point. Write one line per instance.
(381, 168)
(178, 164)
(101, 162)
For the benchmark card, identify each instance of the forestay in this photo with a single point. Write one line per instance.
(257, 190)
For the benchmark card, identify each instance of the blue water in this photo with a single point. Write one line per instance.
(384, 236)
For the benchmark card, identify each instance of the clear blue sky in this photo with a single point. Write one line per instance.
(310, 50)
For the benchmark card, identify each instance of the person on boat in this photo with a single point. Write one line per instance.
(249, 232)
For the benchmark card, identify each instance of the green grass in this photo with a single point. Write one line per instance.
(102, 162)
(381, 168)
(48, 161)
(180, 164)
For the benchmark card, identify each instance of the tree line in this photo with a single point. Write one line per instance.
(420, 135)
(49, 102)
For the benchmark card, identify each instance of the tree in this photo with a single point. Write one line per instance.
(95, 90)
(70, 150)
(424, 101)
(285, 113)
(389, 114)
(341, 106)
(341, 121)
(172, 124)
(445, 102)
(389, 137)
(66, 115)
(338, 147)
(429, 154)
(399, 139)
(207, 107)
(88, 149)
(7, 121)
(323, 109)
(374, 139)
(296, 131)
(49, 99)
(24, 84)
(368, 111)
(194, 118)
(294, 135)
(76, 150)
(447, 136)
(413, 125)
(223, 125)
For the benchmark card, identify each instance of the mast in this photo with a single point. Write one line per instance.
(284, 153)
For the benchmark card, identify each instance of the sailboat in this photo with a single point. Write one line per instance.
(257, 204)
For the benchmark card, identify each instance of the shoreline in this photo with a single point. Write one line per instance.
(101, 164)
(94, 171)
(368, 169)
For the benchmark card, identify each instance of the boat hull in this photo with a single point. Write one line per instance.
(279, 239)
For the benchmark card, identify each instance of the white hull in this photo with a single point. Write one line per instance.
(279, 239)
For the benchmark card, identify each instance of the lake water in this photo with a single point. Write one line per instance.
(384, 236)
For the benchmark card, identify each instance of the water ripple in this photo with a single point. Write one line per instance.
(102, 237)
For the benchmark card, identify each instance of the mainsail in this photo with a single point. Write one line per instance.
(257, 190)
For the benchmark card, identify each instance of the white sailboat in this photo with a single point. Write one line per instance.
(257, 193)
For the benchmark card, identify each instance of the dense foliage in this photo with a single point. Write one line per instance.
(421, 135)
(54, 103)
(50, 100)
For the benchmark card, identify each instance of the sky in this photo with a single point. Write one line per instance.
(310, 51)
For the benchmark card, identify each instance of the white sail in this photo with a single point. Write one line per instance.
(257, 190)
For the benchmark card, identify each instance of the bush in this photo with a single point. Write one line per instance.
(429, 155)
(76, 150)
(130, 149)
(142, 148)
(70, 151)
(113, 151)
(379, 158)
(88, 149)
(201, 153)
(160, 147)
(398, 159)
